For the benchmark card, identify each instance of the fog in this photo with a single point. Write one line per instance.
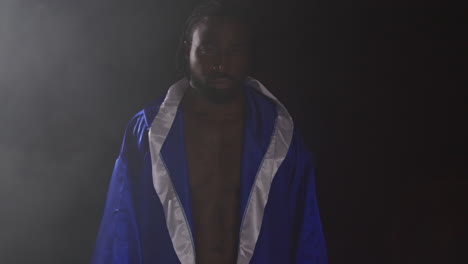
(370, 85)
(72, 73)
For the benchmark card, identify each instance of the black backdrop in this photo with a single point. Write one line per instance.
(372, 85)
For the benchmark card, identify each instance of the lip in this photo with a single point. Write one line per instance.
(221, 83)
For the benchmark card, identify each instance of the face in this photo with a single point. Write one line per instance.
(218, 55)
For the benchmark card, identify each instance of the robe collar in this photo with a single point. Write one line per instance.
(268, 130)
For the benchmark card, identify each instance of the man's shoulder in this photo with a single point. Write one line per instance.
(145, 116)
(150, 111)
(137, 128)
(141, 121)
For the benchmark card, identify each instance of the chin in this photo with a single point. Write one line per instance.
(218, 96)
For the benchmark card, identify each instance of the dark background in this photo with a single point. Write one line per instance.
(374, 86)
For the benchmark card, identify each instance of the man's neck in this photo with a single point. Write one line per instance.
(197, 104)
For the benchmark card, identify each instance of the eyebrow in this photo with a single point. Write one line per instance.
(241, 44)
(207, 42)
(236, 45)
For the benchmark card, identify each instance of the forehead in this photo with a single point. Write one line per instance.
(220, 30)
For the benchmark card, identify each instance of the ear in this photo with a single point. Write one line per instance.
(187, 46)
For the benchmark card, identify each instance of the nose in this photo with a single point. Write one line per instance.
(221, 67)
(220, 64)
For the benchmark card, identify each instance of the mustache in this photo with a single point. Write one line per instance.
(219, 75)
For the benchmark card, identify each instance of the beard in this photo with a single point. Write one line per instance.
(213, 94)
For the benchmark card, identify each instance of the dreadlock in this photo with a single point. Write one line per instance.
(207, 9)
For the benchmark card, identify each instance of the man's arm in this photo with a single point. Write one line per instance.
(311, 248)
(117, 241)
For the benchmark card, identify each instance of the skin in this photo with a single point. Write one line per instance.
(218, 49)
(218, 56)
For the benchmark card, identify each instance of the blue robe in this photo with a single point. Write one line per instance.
(147, 216)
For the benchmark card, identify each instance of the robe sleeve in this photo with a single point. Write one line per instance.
(117, 240)
(311, 247)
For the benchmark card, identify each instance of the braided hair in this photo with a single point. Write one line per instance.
(210, 8)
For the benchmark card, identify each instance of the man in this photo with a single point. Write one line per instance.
(214, 171)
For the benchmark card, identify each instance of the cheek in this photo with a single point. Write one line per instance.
(199, 64)
(193, 61)
(192, 57)
(240, 64)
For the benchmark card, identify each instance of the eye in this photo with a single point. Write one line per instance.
(208, 50)
(238, 50)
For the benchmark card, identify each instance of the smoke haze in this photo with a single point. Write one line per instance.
(369, 83)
